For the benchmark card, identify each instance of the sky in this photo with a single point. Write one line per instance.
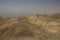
(12, 8)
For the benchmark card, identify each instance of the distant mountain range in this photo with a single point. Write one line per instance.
(38, 27)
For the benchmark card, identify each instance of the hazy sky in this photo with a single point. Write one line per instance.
(10, 8)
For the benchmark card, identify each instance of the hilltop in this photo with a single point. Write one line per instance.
(38, 27)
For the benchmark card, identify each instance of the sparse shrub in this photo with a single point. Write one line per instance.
(25, 33)
(3, 30)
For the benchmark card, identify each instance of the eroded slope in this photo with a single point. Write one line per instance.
(39, 27)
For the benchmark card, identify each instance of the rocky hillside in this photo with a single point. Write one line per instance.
(38, 27)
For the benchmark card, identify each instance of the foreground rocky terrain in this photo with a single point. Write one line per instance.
(38, 27)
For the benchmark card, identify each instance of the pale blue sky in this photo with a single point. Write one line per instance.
(11, 8)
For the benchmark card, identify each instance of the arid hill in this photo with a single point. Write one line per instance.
(38, 27)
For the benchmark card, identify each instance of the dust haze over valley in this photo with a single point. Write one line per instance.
(29, 19)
